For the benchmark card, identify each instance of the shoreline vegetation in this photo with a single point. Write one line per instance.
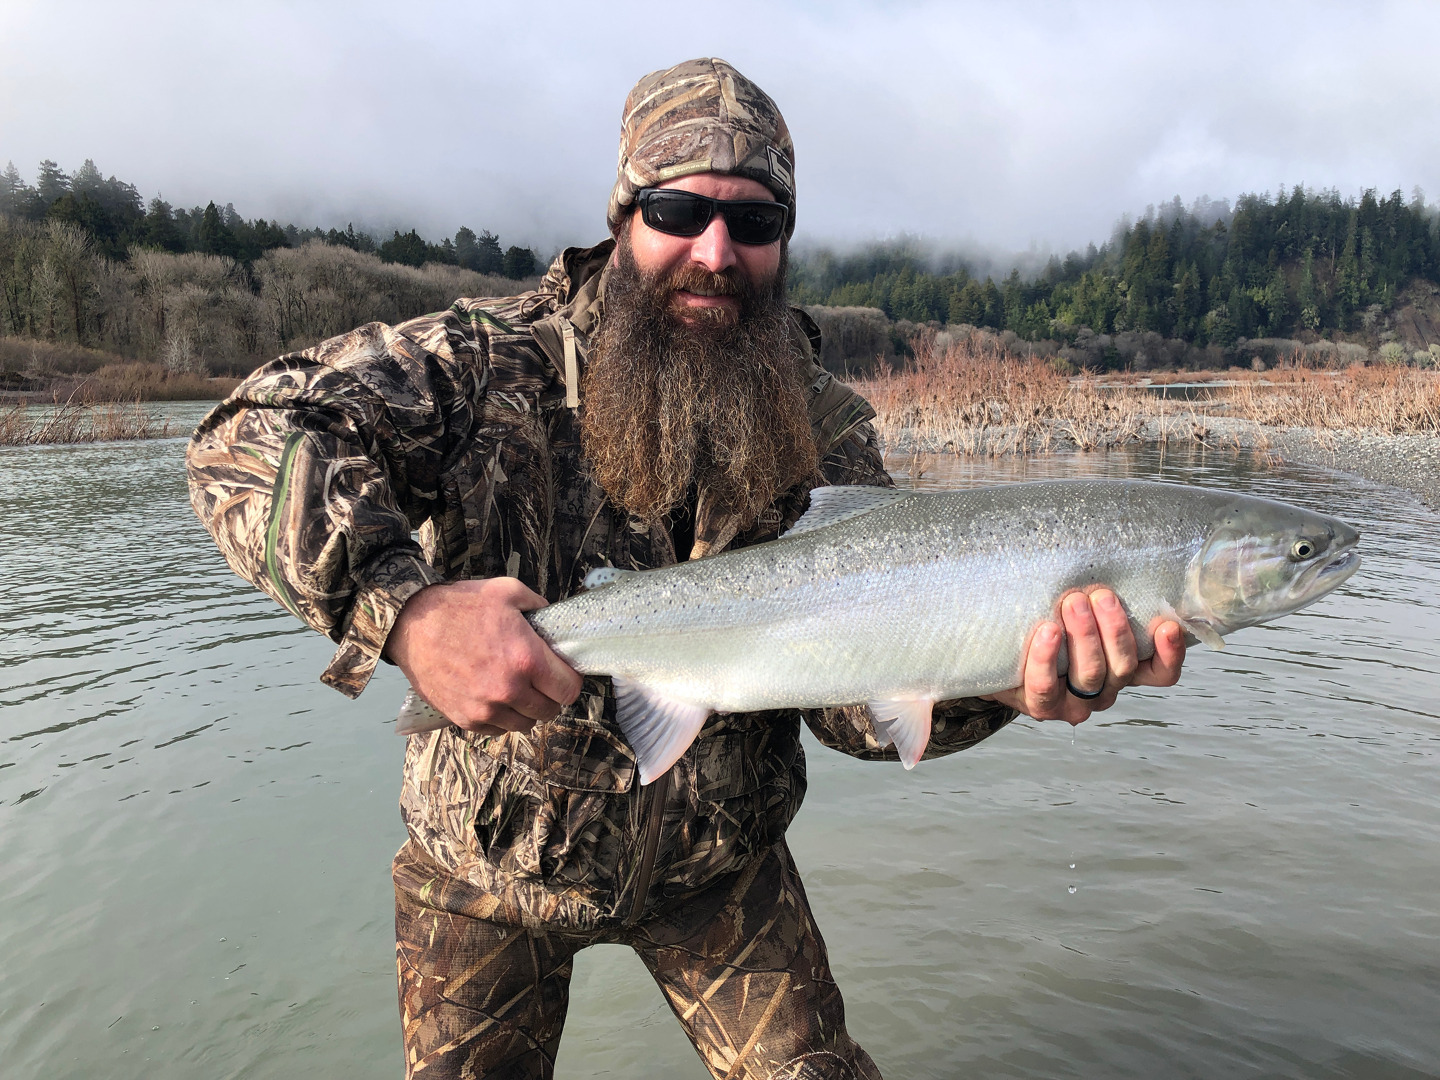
(78, 420)
(1301, 318)
(977, 398)
(974, 395)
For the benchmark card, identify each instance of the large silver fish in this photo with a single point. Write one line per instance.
(899, 599)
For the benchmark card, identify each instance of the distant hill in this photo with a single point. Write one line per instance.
(1180, 286)
(1300, 266)
(117, 219)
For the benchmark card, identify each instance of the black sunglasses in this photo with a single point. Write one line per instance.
(683, 213)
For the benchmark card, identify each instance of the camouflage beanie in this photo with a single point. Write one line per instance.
(701, 116)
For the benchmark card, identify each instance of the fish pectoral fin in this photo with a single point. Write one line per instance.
(1203, 631)
(830, 505)
(659, 729)
(904, 722)
(1199, 629)
(604, 575)
(417, 715)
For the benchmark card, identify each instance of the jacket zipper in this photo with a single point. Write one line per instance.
(655, 812)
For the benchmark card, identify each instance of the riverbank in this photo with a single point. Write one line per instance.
(1382, 423)
(1408, 462)
(115, 401)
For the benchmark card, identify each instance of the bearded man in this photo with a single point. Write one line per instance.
(653, 399)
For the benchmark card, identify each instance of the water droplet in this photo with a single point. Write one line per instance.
(1072, 890)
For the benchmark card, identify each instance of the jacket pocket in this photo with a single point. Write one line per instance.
(557, 812)
(582, 753)
(749, 751)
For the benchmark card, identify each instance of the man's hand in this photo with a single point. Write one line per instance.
(1102, 657)
(468, 650)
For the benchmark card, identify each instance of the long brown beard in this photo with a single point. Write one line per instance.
(717, 404)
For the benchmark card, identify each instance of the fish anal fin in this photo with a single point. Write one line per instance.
(658, 728)
(831, 505)
(904, 722)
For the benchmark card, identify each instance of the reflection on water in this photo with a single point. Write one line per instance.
(194, 834)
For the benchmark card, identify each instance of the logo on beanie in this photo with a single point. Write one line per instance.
(780, 170)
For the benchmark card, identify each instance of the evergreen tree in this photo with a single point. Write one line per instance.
(213, 237)
(1348, 295)
(967, 304)
(110, 237)
(467, 251)
(518, 262)
(993, 314)
(51, 183)
(490, 260)
(1307, 296)
(158, 229)
(443, 252)
(407, 249)
(16, 196)
(1274, 305)
(87, 179)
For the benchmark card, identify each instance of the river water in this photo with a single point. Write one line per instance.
(195, 834)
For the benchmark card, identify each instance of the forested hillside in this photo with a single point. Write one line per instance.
(1304, 262)
(203, 291)
(116, 217)
(85, 260)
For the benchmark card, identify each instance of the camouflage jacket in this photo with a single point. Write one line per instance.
(319, 473)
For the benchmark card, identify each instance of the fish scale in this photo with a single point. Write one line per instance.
(898, 599)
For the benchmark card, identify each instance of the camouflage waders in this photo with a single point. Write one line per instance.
(742, 965)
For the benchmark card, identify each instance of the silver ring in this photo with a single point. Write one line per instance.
(1083, 695)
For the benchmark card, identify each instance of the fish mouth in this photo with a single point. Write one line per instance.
(1331, 574)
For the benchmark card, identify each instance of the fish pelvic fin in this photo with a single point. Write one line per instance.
(604, 575)
(904, 722)
(418, 715)
(658, 728)
(831, 505)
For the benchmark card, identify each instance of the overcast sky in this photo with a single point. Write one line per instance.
(1003, 126)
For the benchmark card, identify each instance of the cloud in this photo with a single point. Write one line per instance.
(1024, 125)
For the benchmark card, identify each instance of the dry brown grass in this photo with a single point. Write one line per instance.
(978, 398)
(48, 371)
(151, 382)
(46, 358)
(78, 419)
(1385, 400)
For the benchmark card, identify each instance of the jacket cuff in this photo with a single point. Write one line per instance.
(385, 584)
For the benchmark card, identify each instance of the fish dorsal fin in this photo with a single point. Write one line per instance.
(829, 505)
(659, 729)
(904, 722)
(605, 575)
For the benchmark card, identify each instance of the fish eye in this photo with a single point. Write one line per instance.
(1302, 550)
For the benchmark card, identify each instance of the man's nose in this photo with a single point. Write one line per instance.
(713, 248)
